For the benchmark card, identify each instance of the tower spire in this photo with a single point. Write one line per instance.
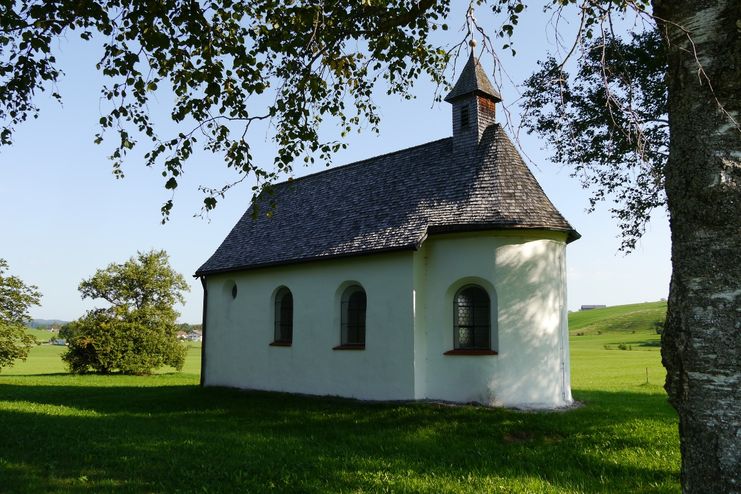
(474, 102)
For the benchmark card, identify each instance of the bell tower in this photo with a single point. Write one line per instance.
(474, 102)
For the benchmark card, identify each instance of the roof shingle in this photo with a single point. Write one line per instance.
(473, 80)
(390, 202)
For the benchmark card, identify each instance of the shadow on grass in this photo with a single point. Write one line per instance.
(186, 438)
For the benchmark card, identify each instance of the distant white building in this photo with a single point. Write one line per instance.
(436, 272)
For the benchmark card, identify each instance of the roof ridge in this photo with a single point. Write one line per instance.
(361, 162)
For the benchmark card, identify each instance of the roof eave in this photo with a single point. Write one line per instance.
(571, 234)
(245, 267)
(450, 98)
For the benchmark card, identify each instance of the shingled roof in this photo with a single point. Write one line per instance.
(390, 202)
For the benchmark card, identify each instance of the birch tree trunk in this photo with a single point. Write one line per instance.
(701, 344)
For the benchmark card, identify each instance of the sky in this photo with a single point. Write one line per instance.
(64, 215)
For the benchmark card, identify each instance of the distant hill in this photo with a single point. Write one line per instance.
(36, 323)
(618, 318)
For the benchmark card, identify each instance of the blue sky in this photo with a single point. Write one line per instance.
(64, 215)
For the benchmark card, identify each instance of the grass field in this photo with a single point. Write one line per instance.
(162, 433)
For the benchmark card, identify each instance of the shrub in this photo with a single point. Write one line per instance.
(105, 344)
(15, 300)
(138, 332)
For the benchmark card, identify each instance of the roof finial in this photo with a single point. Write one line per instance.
(471, 27)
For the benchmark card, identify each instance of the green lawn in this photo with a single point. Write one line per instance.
(41, 334)
(162, 433)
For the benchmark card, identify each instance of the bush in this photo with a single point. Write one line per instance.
(69, 330)
(15, 344)
(137, 334)
(105, 344)
(15, 300)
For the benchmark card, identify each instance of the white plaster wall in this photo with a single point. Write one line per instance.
(239, 331)
(524, 275)
(420, 322)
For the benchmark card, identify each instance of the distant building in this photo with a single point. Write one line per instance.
(590, 307)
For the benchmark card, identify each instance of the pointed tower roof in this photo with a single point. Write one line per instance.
(473, 80)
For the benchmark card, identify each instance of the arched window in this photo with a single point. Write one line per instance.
(353, 316)
(284, 316)
(472, 309)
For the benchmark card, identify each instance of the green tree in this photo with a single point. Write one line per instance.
(137, 333)
(15, 299)
(312, 57)
(68, 331)
(653, 119)
(217, 57)
(608, 123)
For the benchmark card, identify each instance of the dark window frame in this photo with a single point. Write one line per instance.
(471, 321)
(465, 116)
(283, 320)
(353, 315)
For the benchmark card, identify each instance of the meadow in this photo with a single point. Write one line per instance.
(163, 433)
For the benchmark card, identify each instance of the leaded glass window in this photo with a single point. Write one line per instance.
(284, 316)
(353, 316)
(472, 318)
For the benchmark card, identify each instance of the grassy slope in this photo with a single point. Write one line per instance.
(593, 366)
(620, 318)
(162, 433)
(41, 334)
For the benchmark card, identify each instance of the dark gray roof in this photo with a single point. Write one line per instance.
(390, 202)
(473, 80)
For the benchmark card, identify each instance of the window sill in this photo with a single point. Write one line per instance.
(281, 343)
(350, 346)
(470, 351)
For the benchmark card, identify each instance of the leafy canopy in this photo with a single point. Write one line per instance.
(137, 332)
(608, 124)
(222, 60)
(16, 298)
(227, 64)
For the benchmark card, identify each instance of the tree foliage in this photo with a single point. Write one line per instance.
(227, 64)
(16, 298)
(608, 123)
(68, 331)
(137, 332)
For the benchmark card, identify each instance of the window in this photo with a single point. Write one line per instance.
(283, 317)
(472, 310)
(464, 117)
(230, 289)
(353, 318)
